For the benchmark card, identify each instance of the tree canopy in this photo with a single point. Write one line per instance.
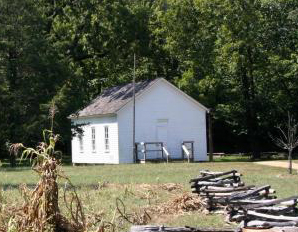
(237, 57)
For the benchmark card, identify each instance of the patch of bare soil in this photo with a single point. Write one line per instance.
(280, 164)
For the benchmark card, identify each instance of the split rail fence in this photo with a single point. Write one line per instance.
(254, 208)
(251, 206)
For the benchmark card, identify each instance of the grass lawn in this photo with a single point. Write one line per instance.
(140, 185)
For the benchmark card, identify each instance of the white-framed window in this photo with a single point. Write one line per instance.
(93, 139)
(81, 144)
(107, 141)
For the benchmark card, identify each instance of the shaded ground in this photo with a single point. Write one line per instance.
(280, 164)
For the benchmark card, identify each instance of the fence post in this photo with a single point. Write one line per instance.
(167, 159)
(161, 145)
(192, 152)
(182, 152)
(210, 136)
(188, 158)
(144, 152)
(136, 152)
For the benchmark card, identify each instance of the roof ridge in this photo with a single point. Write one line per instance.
(130, 83)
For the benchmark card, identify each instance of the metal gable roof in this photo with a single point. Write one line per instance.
(112, 99)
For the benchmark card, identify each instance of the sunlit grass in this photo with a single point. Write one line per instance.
(100, 185)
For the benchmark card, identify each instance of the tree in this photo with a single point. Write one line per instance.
(288, 138)
(30, 70)
(237, 57)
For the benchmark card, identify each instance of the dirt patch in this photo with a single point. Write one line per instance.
(279, 164)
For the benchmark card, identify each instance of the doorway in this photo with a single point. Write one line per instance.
(162, 134)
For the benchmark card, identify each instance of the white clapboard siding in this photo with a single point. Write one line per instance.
(163, 105)
(100, 155)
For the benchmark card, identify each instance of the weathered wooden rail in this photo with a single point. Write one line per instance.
(254, 208)
(248, 205)
(288, 228)
(150, 228)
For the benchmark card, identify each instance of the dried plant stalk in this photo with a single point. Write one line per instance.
(40, 211)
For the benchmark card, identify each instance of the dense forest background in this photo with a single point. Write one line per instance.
(237, 57)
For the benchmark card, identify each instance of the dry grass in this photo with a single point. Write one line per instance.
(178, 203)
(40, 210)
(141, 188)
(157, 203)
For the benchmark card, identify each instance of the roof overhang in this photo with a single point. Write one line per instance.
(74, 117)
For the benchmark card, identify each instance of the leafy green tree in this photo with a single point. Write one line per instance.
(246, 45)
(30, 70)
(236, 57)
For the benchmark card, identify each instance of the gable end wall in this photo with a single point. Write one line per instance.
(186, 121)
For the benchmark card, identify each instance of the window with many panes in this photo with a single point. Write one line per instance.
(107, 142)
(81, 144)
(93, 139)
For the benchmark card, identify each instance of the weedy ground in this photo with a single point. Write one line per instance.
(145, 193)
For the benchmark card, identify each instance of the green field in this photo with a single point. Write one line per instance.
(140, 185)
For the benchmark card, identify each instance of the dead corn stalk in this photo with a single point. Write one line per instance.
(40, 211)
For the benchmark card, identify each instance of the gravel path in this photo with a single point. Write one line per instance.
(280, 164)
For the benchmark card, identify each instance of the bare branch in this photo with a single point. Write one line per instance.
(288, 139)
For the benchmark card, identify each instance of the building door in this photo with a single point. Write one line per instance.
(162, 134)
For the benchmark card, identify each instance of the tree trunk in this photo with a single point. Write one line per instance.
(12, 160)
(210, 137)
(14, 117)
(252, 106)
(290, 161)
(250, 113)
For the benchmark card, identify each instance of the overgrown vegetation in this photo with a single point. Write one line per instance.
(40, 210)
(161, 190)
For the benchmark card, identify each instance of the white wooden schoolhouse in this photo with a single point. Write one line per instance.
(168, 124)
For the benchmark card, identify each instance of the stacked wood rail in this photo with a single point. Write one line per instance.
(150, 228)
(256, 209)
(218, 186)
(266, 213)
(193, 229)
(250, 206)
